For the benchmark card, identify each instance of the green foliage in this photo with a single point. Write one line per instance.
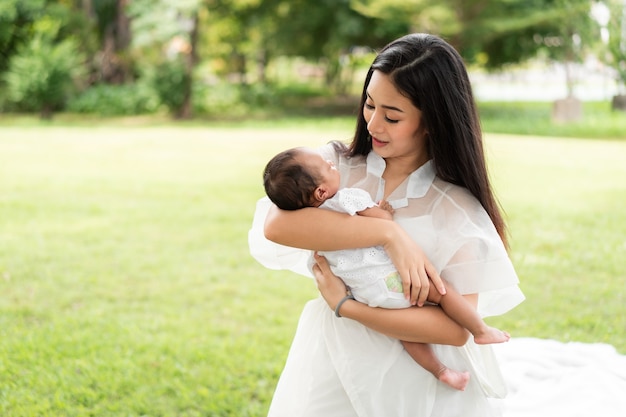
(41, 74)
(116, 100)
(418, 15)
(16, 20)
(170, 81)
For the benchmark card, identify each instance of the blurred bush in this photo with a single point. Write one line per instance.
(116, 100)
(170, 81)
(43, 73)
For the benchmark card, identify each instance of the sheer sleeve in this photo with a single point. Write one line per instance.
(273, 255)
(471, 254)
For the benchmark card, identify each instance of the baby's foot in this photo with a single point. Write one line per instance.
(491, 335)
(454, 379)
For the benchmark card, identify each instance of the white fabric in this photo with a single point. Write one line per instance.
(349, 200)
(338, 367)
(546, 378)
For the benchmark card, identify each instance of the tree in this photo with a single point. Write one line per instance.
(569, 35)
(169, 27)
(494, 33)
(326, 30)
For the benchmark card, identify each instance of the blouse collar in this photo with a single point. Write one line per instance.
(419, 181)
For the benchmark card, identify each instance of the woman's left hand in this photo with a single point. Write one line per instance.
(330, 286)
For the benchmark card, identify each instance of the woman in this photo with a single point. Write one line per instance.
(417, 145)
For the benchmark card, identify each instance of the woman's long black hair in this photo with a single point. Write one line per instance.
(431, 73)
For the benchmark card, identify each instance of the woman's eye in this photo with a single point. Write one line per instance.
(369, 106)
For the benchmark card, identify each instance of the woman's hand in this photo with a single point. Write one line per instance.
(330, 286)
(416, 270)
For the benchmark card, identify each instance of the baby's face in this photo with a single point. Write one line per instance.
(326, 170)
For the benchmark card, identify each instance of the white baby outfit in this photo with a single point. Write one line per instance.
(369, 272)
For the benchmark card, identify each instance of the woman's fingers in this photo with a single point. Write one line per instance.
(419, 296)
(416, 283)
(330, 286)
(407, 285)
(435, 278)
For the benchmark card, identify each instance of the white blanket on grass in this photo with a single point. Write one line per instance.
(547, 378)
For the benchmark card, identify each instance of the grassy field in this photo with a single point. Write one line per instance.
(126, 287)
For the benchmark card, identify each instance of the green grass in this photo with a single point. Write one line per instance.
(127, 288)
(534, 118)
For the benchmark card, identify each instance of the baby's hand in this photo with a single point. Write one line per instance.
(383, 204)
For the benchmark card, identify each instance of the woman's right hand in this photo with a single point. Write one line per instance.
(330, 286)
(414, 267)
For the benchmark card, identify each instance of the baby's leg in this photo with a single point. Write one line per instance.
(460, 310)
(423, 354)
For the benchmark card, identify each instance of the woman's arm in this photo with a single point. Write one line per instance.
(428, 324)
(325, 230)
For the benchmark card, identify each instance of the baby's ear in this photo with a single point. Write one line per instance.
(321, 194)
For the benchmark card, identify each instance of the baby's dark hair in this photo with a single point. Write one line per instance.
(287, 181)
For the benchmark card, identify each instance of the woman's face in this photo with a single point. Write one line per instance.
(393, 122)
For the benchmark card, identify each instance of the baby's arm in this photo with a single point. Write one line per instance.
(382, 211)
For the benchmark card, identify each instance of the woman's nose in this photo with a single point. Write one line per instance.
(374, 124)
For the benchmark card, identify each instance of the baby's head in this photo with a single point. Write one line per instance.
(298, 178)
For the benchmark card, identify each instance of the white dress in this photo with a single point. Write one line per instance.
(338, 368)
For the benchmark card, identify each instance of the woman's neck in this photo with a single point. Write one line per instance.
(398, 169)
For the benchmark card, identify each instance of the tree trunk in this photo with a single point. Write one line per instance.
(569, 79)
(186, 109)
(46, 112)
(261, 65)
(123, 34)
(114, 68)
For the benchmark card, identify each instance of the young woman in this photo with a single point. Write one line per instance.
(417, 145)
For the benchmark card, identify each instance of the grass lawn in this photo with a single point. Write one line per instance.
(127, 288)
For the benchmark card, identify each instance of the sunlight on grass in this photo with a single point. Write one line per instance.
(127, 287)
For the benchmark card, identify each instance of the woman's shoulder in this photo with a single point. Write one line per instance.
(455, 194)
(457, 205)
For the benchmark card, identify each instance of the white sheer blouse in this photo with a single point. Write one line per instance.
(447, 222)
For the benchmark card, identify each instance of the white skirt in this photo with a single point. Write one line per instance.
(339, 368)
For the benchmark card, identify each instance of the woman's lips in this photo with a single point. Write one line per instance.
(377, 142)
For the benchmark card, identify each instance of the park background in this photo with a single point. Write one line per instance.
(132, 139)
